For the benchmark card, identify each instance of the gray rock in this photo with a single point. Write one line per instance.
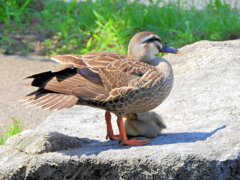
(202, 139)
(38, 142)
(198, 4)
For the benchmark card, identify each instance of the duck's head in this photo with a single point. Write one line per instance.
(144, 46)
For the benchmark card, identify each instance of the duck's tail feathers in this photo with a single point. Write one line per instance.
(49, 100)
(39, 80)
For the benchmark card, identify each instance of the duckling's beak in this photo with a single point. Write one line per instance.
(131, 116)
(166, 49)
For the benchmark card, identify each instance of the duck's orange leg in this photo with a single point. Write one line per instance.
(110, 133)
(123, 136)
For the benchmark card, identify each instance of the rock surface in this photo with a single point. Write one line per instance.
(202, 139)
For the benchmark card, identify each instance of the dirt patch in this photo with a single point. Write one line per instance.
(12, 70)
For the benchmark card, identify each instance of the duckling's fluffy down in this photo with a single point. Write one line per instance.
(148, 124)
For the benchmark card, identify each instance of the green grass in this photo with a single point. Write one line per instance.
(79, 27)
(10, 131)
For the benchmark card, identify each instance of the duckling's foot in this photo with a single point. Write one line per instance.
(125, 141)
(110, 133)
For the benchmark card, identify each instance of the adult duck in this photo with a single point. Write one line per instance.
(116, 83)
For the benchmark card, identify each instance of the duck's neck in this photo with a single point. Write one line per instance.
(141, 56)
(146, 59)
(154, 61)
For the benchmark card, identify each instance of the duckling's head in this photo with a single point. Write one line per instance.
(144, 46)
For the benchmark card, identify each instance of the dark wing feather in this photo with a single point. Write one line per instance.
(71, 81)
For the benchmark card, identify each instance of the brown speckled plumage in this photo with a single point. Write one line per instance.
(117, 83)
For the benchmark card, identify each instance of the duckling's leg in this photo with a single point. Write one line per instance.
(123, 136)
(110, 134)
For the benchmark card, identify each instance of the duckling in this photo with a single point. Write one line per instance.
(147, 124)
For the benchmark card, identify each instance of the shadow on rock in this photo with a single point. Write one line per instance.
(96, 147)
(38, 142)
(185, 137)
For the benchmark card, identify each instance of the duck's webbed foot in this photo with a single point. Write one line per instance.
(111, 136)
(123, 137)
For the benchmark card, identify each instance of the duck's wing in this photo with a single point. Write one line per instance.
(80, 76)
(97, 63)
(114, 70)
(88, 76)
(144, 76)
(118, 75)
(92, 60)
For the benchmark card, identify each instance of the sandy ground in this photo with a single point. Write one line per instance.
(12, 70)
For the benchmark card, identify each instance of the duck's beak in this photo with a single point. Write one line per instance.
(166, 49)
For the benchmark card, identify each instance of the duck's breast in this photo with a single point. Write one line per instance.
(146, 98)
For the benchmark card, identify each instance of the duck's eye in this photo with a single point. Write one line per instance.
(158, 47)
